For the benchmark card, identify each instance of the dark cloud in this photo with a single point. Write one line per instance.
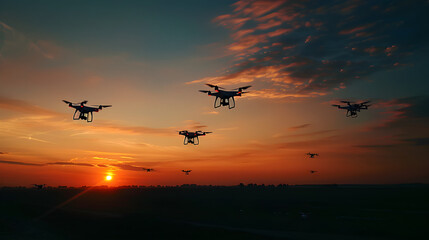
(313, 47)
(118, 165)
(72, 164)
(417, 141)
(20, 163)
(128, 167)
(2, 153)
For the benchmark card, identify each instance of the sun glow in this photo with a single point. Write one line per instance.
(109, 177)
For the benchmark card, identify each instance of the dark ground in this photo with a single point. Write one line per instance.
(298, 212)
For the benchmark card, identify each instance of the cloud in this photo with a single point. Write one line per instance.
(268, 36)
(71, 164)
(128, 167)
(21, 163)
(116, 165)
(193, 125)
(24, 107)
(418, 141)
(293, 128)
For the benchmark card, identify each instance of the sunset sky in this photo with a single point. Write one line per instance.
(149, 59)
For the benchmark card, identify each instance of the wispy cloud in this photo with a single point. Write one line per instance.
(21, 163)
(121, 166)
(293, 128)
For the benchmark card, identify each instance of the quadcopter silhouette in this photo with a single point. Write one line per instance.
(39, 186)
(224, 98)
(186, 171)
(312, 171)
(192, 137)
(353, 108)
(148, 169)
(312, 154)
(85, 112)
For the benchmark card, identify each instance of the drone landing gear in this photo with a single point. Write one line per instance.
(83, 116)
(351, 114)
(230, 102)
(193, 140)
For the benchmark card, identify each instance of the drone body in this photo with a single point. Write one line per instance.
(192, 137)
(83, 112)
(186, 171)
(312, 171)
(148, 169)
(353, 108)
(224, 98)
(312, 154)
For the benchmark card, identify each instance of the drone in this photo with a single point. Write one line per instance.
(224, 98)
(39, 186)
(312, 154)
(186, 171)
(192, 137)
(312, 171)
(353, 108)
(85, 112)
(148, 169)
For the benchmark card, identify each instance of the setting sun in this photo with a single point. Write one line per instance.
(108, 177)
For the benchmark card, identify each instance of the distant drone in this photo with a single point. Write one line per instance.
(85, 112)
(312, 154)
(192, 137)
(224, 98)
(148, 169)
(186, 171)
(39, 186)
(353, 108)
(311, 171)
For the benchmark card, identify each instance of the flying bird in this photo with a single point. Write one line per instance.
(186, 171)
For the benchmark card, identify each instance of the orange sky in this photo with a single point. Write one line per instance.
(153, 86)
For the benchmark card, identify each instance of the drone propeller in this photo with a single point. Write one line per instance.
(83, 102)
(243, 88)
(205, 91)
(348, 102)
(364, 103)
(67, 102)
(214, 86)
(335, 105)
(104, 106)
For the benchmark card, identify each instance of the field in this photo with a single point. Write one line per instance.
(203, 212)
